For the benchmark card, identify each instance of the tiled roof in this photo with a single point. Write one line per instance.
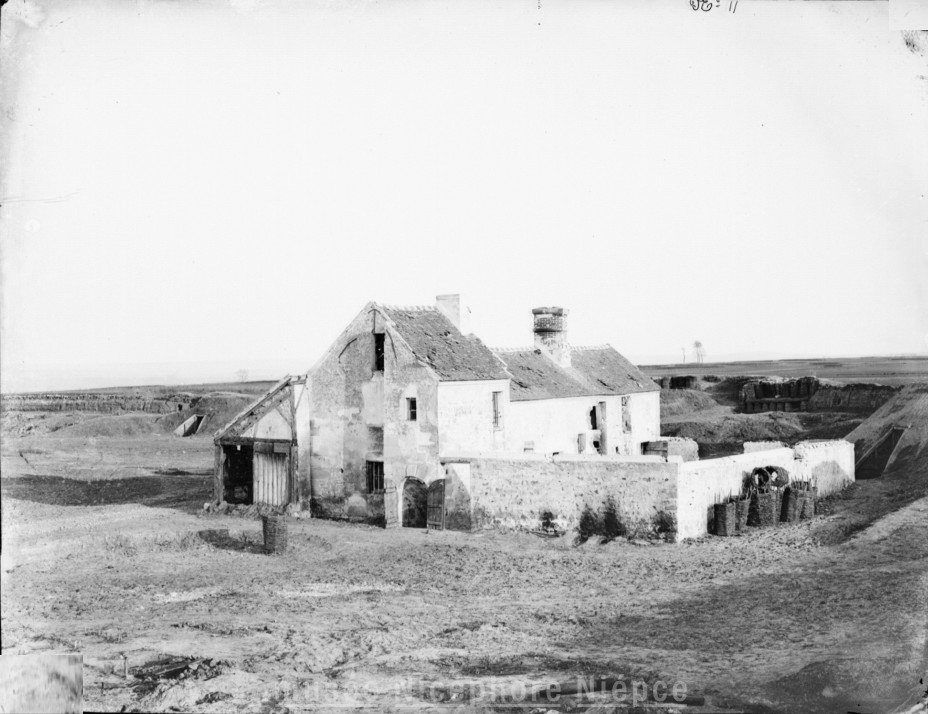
(435, 340)
(605, 366)
(594, 371)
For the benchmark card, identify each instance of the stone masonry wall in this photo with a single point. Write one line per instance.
(512, 492)
(829, 465)
(704, 483)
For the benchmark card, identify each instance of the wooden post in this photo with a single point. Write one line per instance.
(219, 480)
(294, 495)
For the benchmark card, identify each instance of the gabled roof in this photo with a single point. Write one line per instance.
(594, 371)
(603, 365)
(435, 340)
(271, 398)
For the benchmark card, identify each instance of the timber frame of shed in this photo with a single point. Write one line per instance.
(257, 460)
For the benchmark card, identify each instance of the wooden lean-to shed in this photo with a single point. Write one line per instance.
(256, 453)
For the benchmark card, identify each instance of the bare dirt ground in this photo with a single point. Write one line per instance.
(108, 553)
(40, 683)
(771, 620)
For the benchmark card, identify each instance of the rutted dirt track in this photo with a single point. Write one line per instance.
(352, 613)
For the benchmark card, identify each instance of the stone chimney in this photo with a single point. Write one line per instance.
(551, 333)
(451, 307)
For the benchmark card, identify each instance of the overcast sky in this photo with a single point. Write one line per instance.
(191, 188)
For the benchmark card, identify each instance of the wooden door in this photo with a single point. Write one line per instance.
(435, 518)
(271, 475)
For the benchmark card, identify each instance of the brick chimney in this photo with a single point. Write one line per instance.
(551, 333)
(451, 307)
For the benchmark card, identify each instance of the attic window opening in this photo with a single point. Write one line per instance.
(375, 477)
(411, 409)
(378, 351)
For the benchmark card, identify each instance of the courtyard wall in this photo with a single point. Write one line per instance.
(512, 492)
(487, 491)
(829, 465)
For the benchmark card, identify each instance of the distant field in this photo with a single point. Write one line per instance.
(160, 389)
(164, 390)
(891, 371)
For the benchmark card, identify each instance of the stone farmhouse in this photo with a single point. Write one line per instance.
(409, 419)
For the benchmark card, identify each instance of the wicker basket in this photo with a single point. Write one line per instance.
(725, 519)
(275, 534)
(808, 504)
(793, 501)
(767, 508)
(742, 510)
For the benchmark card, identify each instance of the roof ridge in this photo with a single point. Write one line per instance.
(504, 350)
(603, 346)
(409, 308)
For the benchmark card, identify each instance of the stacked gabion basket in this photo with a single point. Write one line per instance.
(275, 534)
(767, 498)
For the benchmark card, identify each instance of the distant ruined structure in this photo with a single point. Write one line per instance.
(809, 394)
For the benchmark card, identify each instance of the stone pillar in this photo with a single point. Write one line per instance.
(391, 506)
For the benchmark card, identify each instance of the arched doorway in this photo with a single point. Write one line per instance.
(415, 503)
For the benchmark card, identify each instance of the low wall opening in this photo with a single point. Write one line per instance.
(190, 426)
(872, 463)
(415, 503)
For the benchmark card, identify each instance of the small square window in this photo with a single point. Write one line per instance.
(375, 477)
(411, 409)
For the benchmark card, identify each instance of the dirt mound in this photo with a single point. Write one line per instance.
(768, 426)
(218, 408)
(908, 410)
(678, 402)
(903, 479)
(116, 425)
(19, 424)
(858, 397)
(723, 433)
(727, 391)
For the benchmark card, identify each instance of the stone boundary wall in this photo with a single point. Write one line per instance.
(701, 484)
(751, 446)
(484, 491)
(829, 465)
(513, 492)
(684, 448)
